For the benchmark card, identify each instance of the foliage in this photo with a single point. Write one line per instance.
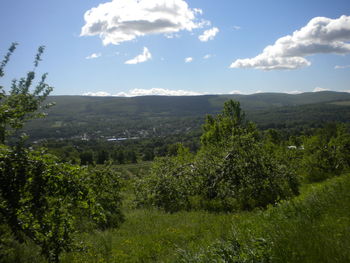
(231, 171)
(327, 153)
(42, 198)
(38, 196)
(169, 184)
(105, 185)
(242, 175)
(21, 104)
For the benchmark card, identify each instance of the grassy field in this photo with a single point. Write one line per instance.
(314, 227)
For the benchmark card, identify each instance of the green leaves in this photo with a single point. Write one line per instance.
(21, 104)
(231, 171)
(44, 200)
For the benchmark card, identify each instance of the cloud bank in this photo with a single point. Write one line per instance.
(318, 89)
(145, 92)
(146, 55)
(209, 34)
(124, 20)
(321, 35)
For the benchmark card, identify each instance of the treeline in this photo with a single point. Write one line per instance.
(118, 152)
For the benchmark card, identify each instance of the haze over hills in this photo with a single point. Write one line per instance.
(109, 117)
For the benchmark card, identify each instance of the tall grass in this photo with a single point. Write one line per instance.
(314, 227)
(153, 236)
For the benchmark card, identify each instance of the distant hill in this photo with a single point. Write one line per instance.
(106, 117)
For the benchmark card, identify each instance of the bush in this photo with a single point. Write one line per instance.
(231, 171)
(326, 154)
(169, 184)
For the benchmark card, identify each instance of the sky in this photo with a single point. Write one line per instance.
(180, 47)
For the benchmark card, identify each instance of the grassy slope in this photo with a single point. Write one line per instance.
(314, 227)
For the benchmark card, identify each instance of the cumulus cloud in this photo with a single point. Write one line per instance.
(118, 21)
(209, 34)
(146, 55)
(318, 89)
(94, 55)
(145, 92)
(342, 67)
(188, 60)
(320, 35)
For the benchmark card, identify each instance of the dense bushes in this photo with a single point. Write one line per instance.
(46, 201)
(326, 154)
(231, 171)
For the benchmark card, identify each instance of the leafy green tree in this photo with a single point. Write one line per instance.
(232, 170)
(42, 198)
(230, 122)
(168, 186)
(21, 104)
(38, 195)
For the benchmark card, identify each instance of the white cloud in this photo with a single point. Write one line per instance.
(209, 34)
(124, 20)
(198, 11)
(207, 56)
(145, 92)
(94, 55)
(342, 67)
(294, 92)
(188, 60)
(97, 94)
(236, 27)
(146, 55)
(318, 89)
(320, 35)
(236, 92)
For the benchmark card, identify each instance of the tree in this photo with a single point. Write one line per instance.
(232, 170)
(42, 198)
(21, 104)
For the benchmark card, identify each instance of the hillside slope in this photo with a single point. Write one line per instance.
(106, 117)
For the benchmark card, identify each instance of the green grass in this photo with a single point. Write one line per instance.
(153, 236)
(314, 227)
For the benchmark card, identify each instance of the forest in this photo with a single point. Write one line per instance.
(225, 179)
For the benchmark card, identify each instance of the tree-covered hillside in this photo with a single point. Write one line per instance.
(154, 116)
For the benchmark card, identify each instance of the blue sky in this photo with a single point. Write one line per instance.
(176, 47)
